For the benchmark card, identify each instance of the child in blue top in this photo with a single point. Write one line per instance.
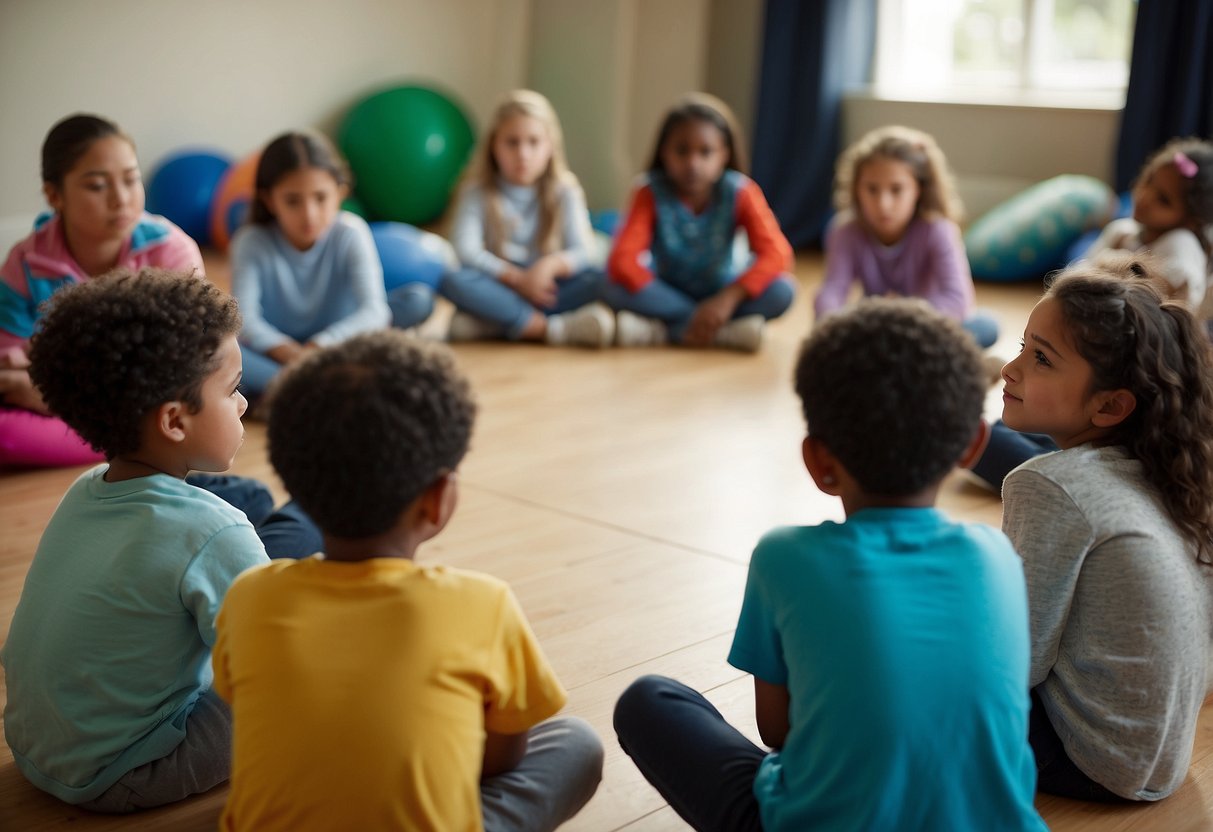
(306, 273)
(107, 660)
(890, 651)
(523, 237)
(674, 274)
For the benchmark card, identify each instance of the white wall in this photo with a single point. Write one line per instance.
(231, 73)
(611, 69)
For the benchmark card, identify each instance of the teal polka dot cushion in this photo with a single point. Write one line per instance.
(1028, 235)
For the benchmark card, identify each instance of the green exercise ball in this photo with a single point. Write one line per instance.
(406, 146)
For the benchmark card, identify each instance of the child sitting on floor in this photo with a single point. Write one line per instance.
(523, 237)
(107, 661)
(896, 231)
(890, 651)
(1115, 529)
(675, 274)
(91, 180)
(369, 691)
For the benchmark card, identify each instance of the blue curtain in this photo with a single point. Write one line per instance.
(1170, 90)
(813, 51)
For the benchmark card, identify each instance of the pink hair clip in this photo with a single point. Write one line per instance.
(1183, 164)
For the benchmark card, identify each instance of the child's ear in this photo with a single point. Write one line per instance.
(1114, 407)
(53, 197)
(821, 465)
(438, 501)
(169, 421)
(977, 446)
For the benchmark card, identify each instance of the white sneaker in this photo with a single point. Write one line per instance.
(742, 334)
(591, 325)
(467, 327)
(632, 330)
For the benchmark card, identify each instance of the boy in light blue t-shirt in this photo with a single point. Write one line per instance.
(890, 651)
(107, 662)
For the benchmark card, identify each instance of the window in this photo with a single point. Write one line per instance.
(941, 47)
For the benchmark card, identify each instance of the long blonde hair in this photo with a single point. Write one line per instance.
(486, 173)
(918, 150)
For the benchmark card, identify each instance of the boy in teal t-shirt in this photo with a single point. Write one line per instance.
(107, 661)
(890, 651)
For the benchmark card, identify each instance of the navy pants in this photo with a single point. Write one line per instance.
(702, 766)
(675, 307)
(1007, 450)
(287, 532)
(1056, 773)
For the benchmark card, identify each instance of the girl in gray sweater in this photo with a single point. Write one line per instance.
(1115, 529)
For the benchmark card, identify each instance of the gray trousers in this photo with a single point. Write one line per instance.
(558, 775)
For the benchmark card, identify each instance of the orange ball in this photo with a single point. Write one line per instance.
(233, 196)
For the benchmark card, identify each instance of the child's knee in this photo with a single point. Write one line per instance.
(639, 701)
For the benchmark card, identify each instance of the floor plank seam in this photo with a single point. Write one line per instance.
(632, 667)
(602, 524)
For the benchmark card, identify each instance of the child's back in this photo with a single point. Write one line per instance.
(1133, 618)
(108, 649)
(383, 667)
(901, 636)
(889, 652)
(106, 662)
(1115, 529)
(368, 691)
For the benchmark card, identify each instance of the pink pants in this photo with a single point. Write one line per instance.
(31, 440)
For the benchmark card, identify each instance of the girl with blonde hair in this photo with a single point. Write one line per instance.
(522, 234)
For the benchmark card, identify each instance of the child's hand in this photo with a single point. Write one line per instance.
(18, 390)
(538, 283)
(288, 353)
(710, 315)
(14, 358)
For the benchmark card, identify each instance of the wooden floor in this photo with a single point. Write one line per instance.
(620, 493)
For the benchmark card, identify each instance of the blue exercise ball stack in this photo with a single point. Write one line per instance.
(182, 186)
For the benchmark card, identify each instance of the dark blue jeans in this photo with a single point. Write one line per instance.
(702, 766)
(287, 532)
(675, 307)
(483, 295)
(1056, 773)
(1007, 450)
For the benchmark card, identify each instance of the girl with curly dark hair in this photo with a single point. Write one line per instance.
(1115, 529)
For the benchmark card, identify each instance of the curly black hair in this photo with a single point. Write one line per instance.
(109, 351)
(894, 390)
(359, 430)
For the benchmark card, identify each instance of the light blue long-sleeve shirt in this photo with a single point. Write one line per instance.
(520, 212)
(326, 294)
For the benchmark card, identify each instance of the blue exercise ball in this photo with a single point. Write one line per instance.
(604, 221)
(410, 255)
(182, 186)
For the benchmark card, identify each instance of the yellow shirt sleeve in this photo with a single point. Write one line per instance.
(522, 689)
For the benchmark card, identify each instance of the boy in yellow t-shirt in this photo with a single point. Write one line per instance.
(367, 691)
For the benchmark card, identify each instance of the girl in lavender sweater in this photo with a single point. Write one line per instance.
(896, 231)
